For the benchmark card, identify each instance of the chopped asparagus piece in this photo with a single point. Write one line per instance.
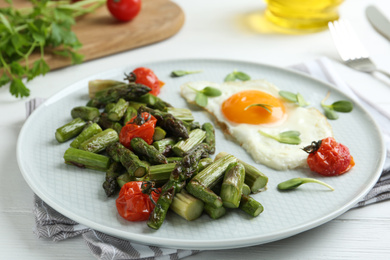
(136, 105)
(246, 190)
(254, 178)
(169, 123)
(159, 133)
(87, 133)
(85, 159)
(134, 166)
(200, 186)
(106, 123)
(174, 159)
(183, 171)
(250, 206)
(160, 173)
(130, 113)
(101, 84)
(214, 213)
(118, 110)
(154, 102)
(195, 137)
(85, 113)
(231, 189)
(162, 144)
(70, 130)
(100, 141)
(183, 114)
(110, 185)
(123, 179)
(142, 148)
(187, 206)
(126, 91)
(210, 136)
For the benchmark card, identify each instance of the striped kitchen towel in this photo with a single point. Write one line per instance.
(53, 225)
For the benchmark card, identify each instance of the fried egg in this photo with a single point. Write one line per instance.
(242, 122)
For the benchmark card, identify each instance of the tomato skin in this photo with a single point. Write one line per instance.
(132, 204)
(147, 77)
(124, 10)
(144, 131)
(331, 159)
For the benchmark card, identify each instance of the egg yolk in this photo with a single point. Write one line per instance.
(236, 109)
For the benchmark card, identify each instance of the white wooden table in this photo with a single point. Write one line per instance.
(213, 29)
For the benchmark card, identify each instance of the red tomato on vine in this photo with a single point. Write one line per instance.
(134, 205)
(132, 129)
(146, 76)
(124, 10)
(328, 157)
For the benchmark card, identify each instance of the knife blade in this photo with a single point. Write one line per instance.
(378, 20)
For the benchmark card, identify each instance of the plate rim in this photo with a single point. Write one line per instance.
(189, 244)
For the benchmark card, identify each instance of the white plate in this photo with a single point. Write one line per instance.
(78, 194)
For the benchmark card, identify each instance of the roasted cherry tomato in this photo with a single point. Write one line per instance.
(134, 205)
(124, 10)
(132, 129)
(147, 77)
(329, 158)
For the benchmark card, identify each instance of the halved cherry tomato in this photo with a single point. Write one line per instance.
(330, 158)
(134, 205)
(147, 77)
(144, 131)
(124, 10)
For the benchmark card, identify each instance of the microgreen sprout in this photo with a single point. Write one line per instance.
(296, 98)
(342, 106)
(181, 73)
(265, 106)
(286, 137)
(296, 182)
(201, 97)
(237, 75)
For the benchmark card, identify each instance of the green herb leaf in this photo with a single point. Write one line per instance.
(287, 137)
(288, 96)
(296, 182)
(201, 99)
(296, 98)
(230, 77)
(301, 101)
(211, 92)
(46, 24)
(237, 75)
(181, 73)
(342, 106)
(339, 106)
(17, 88)
(265, 106)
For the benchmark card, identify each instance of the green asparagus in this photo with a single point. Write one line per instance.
(231, 189)
(200, 186)
(89, 131)
(85, 113)
(70, 130)
(85, 159)
(118, 110)
(110, 185)
(195, 137)
(187, 206)
(210, 136)
(250, 206)
(142, 148)
(100, 141)
(132, 163)
(214, 213)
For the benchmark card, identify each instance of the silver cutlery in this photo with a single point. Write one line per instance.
(351, 50)
(378, 20)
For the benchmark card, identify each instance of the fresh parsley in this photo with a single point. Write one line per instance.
(43, 28)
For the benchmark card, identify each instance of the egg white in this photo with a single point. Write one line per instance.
(310, 122)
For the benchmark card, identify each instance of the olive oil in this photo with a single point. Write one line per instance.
(310, 15)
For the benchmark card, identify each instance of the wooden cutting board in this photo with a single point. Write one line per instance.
(103, 35)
